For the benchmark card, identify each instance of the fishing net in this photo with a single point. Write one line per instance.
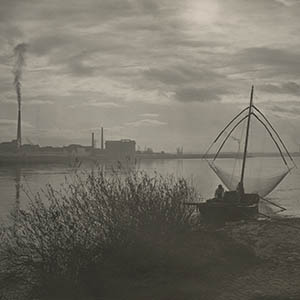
(261, 186)
(258, 144)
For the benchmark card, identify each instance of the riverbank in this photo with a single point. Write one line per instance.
(257, 260)
(129, 237)
(277, 244)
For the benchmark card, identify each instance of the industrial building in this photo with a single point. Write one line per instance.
(120, 150)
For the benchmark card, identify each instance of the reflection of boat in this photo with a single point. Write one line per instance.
(243, 204)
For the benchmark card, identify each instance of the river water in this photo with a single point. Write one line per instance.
(19, 182)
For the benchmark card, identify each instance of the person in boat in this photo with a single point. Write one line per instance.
(240, 190)
(219, 193)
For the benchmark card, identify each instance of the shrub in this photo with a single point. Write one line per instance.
(66, 237)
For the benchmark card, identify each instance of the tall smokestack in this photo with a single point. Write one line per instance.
(93, 140)
(102, 139)
(19, 52)
(19, 134)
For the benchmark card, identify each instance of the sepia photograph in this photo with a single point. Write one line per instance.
(149, 150)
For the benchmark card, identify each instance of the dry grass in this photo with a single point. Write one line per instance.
(66, 243)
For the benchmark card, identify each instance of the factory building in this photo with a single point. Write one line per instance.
(123, 150)
(10, 147)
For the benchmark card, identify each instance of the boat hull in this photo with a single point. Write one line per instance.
(231, 208)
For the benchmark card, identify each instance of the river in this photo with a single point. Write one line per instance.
(19, 182)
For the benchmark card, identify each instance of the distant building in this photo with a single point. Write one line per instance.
(12, 147)
(9, 146)
(78, 150)
(120, 150)
(30, 148)
(52, 150)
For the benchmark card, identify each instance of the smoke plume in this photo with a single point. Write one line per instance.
(19, 54)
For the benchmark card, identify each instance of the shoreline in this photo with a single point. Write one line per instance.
(54, 158)
(277, 244)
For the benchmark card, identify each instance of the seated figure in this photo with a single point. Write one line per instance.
(219, 193)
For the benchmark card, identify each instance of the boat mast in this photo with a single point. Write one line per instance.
(247, 137)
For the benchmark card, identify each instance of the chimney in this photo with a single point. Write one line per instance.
(102, 139)
(93, 140)
(19, 137)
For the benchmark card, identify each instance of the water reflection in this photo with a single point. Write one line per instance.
(16, 182)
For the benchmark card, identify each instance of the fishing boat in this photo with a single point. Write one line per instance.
(243, 195)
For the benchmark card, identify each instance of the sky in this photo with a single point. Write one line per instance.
(165, 73)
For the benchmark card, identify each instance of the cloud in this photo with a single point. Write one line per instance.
(287, 3)
(187, 83)
(269, 62)
(45, 44)
(38, 102)
(146, 122)
(9, 123)
(80, 65)
(123, 60)
(269, 56)
(191, 94)
(284, 109)
(182, 74)
(35, 100)
(291, 88)
(101, 104)
(150, 115)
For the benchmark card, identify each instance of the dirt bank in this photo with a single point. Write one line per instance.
(277, 276)
(258, 260)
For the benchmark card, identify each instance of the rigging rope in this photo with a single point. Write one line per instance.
(228, 135)
(223, 130)
(270, 133)
(278, 136)
(276, 205)
(238, 151)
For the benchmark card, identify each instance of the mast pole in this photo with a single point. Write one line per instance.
(247, 138)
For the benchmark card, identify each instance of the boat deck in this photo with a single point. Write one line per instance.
(230, 208)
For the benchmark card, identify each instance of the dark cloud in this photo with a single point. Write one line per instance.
(192, 94)
(279, 62)
(269, 56)
(186, 42)
(181, 74)
(88, 12)
(148, 6)
(292, 110)
(291, 88)
(77, 67)
(43, 45)
(7, 10)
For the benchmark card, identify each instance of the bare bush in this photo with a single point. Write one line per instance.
(53, 243)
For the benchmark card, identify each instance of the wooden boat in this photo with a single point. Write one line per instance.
(241, 205)
(231, 208)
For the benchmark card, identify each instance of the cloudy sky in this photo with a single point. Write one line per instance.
(166, 73)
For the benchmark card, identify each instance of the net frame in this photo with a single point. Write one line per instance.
(273, 181)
